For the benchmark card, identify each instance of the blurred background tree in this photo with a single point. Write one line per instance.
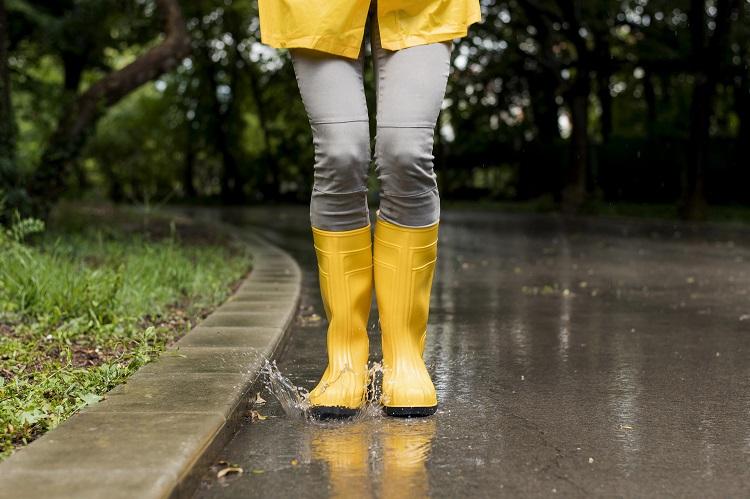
(564, 103)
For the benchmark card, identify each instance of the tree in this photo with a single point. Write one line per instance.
(708, 52)
(564, 34)
(78, 120)
(7, 121)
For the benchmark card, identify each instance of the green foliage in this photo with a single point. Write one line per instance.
(82, 310)
(229, 123)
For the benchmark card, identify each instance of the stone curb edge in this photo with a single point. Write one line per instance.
(175, 414)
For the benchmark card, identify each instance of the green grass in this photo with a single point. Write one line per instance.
(83, 307)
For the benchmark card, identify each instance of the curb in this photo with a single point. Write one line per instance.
(175, 413)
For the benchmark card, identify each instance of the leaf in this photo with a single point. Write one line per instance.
(31, 417)
(255, 415)
(91, 398)
(229, 469)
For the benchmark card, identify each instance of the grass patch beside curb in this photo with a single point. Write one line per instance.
(88, 303)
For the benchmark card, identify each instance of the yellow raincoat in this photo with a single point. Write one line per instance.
(337, 26)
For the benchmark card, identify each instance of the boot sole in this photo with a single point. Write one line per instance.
(323, 412)
(410, 412)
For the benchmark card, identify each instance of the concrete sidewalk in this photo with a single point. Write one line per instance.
(143, 439)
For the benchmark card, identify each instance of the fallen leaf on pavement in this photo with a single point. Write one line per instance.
(255, 415)
(230, 469)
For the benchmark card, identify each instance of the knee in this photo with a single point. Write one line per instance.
(342, 158)
(404, 161)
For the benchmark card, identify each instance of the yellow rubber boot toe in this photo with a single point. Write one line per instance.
(345, 274)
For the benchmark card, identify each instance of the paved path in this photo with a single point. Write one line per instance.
(571, 358)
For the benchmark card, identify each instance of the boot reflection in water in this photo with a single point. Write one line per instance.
(344, 450)
(406, 448)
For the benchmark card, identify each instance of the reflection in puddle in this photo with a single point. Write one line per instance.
(344, 447)
(406, 446)
(397, 465)
(566, 298)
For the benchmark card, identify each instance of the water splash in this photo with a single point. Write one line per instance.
(294, 400)
(372, 407)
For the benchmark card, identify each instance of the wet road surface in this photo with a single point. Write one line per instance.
(571, 358)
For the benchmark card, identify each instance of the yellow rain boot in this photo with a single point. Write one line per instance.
(345, 271)
(404, 265)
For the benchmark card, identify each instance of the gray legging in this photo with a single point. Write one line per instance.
(410, 88)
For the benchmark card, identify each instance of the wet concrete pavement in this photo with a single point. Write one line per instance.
(571, 358)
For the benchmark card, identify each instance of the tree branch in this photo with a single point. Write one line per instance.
(157, 61)
(68, 140)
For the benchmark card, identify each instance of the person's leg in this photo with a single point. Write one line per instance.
(332, 91)
(410, 89)
(333, 94)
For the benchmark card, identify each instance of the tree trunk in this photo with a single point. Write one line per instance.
(708, 64)
(73, 67)
(229, 176)
(604, 72)
(742, 99)
(188, 168)
(536, 175)
(694, 195)
(78, 120)
(544, 86)
(649, 95)
(545, 109)
(743, 111)
(605, 100)
(574, 190)
(270, 178)
(7, 120)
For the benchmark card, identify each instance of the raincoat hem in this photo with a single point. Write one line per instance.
(414, 40)
(330, 45)
(452, 32)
